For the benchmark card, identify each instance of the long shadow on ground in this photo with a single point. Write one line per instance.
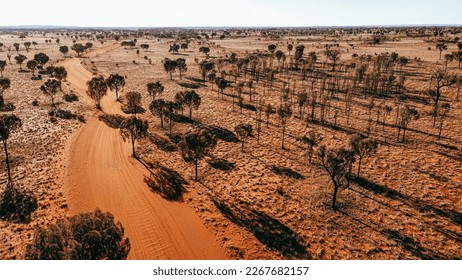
(269, 231)
(164, 181)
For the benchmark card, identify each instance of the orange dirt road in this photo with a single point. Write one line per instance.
(101, 173)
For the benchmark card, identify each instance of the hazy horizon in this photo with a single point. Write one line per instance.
(239, 13)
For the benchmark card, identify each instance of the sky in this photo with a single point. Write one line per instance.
(209, 13)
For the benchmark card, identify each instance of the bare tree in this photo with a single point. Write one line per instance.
(312, 139)
(406, 115)
(336, 162)
(284, 113)
(243, 131)
(439, 80)
(363, 148)
(444, 112)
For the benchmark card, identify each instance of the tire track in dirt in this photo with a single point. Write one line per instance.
(101, 173)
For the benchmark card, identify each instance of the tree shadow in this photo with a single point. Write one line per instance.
(16, 206)
(221, 164)
(194, 79)
(162, 143)
(269, 231)
(419, 205)
(7, 107)
(113, 121)
(164, 181)
(286, 172)
(190, 85)
(221, 133)
(138, 109)
(412, 245)
(247, 106)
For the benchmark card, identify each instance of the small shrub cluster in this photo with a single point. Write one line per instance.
(86, 236)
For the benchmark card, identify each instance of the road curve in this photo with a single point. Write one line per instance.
(101, 173)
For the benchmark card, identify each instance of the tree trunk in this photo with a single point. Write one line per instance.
(242, 145)
(335, 196)
(359, 165)
(196, 163)
(190, 113)
(10, 182)
(133, 146)
(283, 132)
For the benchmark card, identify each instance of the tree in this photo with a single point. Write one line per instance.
(169, 111)
(78, 48)
(41, 59)
(20, 58)
(363, 148)
(184, 46)
(204, 50)
(60, 73)
(88, 45)
(445, 108)
(133, 128)
(243, 131)
(96, 89)
(169, 66)
(192, 100)
(132, 103)
(27, 46)
(116, 82)
(51, 87)
(32, 65)
(336, 162)
(5, 84)
(221, 84)
(195, 145)
(272, 48)
(154, 89)
(174, 48)
(181, 65)
(8, 124)
(406, 115)
(86, 236)
(333, 55)
(457, 57)
(439, 79)
(312, 139)
(64, 50)
(290, 48)
(157, 108)
(145, 47)
(441, 47)
(16, 46)
(2, 67)
(284, 113)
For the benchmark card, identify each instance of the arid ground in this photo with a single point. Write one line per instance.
(262, 202)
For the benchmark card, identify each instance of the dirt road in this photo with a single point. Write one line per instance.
(101, 173)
